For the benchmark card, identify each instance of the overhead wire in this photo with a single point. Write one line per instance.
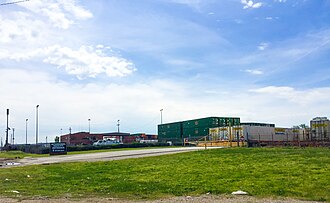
(13, 2)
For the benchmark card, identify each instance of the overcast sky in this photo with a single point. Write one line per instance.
(104, 60)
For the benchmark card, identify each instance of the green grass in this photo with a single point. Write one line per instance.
(111, 150)
(262, 172)
(18, 155)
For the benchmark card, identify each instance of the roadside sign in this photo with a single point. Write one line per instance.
(58, 148)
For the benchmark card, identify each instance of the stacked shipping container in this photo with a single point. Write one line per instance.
(259, 132)
(192, 129)
(320, 128)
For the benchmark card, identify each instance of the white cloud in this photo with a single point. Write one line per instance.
(28, 36)
(250, 4)
(262, 46)
(88, 62)
(301, 97)
(191, 3)
(254, 72)
(280, 1)
(60, 12)
(20, 27)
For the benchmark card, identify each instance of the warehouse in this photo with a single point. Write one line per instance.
(192, 130)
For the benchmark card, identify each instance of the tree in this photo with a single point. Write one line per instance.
(304, 126)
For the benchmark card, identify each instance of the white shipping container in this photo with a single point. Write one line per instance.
(258, 133)
(262, 133)
(222, 133)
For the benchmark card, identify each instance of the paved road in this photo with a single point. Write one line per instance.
(104, 156)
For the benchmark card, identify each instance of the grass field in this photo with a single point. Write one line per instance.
(18, 155)
(262, 172)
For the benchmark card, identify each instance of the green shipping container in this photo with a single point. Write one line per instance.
(193, 129)
(167, 134)
(202, 122)
(177, 126)
(195, 132)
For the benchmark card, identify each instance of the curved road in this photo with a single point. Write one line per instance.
(103, 156)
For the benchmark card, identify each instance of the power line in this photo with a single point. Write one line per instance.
(13, 2)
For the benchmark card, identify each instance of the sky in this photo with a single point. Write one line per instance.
(108, 60)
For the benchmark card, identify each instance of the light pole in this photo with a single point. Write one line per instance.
(161, 116)
(89, 126)
(7, 129)
(37, 107)
(26, 122)
(118, 125)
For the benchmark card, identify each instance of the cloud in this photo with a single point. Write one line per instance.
(20, 27)
(254, 72)
(30, 37)
(250, 4)
(60, 12)
(88, 62)
(300, 97)
(85, 62)
(262, 46)
(287, 54)
(280, 1)
(191, 3)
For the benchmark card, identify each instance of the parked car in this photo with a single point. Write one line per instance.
(106, 142)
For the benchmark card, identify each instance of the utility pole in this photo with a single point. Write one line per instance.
(118, 125)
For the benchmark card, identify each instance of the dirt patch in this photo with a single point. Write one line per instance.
(192, 199)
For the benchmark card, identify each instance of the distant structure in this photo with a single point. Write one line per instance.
(192, 130)
(320, 128)
(86, 138)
